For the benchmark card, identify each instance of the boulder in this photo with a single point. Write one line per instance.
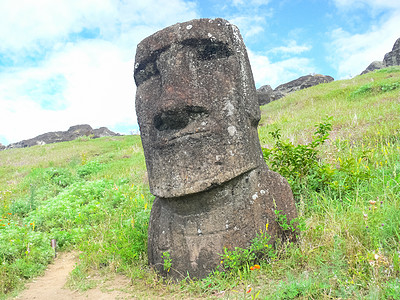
(375, 65)
(264, 94)
(102, 132)
(198, 112)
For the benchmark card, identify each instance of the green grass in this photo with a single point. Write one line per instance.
(93, 196)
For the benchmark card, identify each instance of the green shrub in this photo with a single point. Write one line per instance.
(300, 164)
(393, 69)
(369, 89)
(59, 176)
(386, 87)
(361, 91)
(90, 168)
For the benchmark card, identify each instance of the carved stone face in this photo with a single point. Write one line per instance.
(196, 106)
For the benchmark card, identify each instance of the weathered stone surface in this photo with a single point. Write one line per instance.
(266, 94)
(63, 136)
(2, 147)
(198, 113)
(196, 228)
(392, 58)
(375, 65)
(194, 84)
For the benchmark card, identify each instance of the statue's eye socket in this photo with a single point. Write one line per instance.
(213, 50)
(145, 71)
(207, 49)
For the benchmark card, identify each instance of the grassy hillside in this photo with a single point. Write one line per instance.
(337, 143)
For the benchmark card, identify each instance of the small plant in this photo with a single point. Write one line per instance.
(292, 229)
(167, 261)
(387, 87)
(261, 248)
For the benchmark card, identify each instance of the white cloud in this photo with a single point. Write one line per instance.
(48, 20)
(276, 73)
(249, 3)
(249, 25)
(352, 53)
(94, 76)
(381, 4)
(25, 22)
(250, 16)
(98, 89)
(291, 48)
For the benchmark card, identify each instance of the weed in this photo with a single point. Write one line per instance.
(167, 261)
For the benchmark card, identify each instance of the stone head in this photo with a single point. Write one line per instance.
(197, 107)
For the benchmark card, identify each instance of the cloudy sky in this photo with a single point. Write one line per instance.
(68, 62)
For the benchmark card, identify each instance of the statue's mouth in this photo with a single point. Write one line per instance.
(197, 133)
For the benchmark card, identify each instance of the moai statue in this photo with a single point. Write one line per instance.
(198, 113)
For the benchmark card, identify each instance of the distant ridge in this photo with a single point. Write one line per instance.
(266, 94)
(72, 133)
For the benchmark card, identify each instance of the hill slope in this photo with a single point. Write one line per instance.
(92, 195)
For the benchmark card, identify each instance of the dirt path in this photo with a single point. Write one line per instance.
(51, 284)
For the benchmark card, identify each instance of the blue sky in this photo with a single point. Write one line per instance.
(69, 62)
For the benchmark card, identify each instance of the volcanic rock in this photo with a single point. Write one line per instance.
(375, 65)
(198, 112)
(266, 94)
(392, 58)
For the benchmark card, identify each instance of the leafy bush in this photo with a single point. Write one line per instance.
(24, 252)
(365, 89)
(59, 176)
(377, 88)
(90, 168)
(386, 87)
(300, 164)
(306, 172)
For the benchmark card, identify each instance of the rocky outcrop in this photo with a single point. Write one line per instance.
(393, 57)
(265, 93)
(390, 59)
(375, 65)
(72, 133)
(2, 147)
